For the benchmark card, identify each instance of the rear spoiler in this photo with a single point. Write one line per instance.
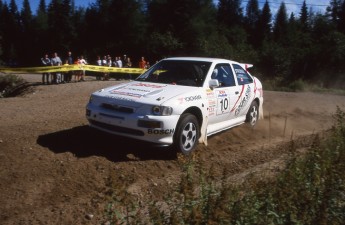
(246, 66)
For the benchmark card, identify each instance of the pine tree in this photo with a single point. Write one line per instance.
(265, 26)
(304, 17)
(280, 25)
(230, 13)
(252, 22)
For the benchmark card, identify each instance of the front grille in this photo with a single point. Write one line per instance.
(117, 128)
(117, 108)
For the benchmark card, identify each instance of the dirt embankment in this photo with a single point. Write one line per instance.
(54, 169)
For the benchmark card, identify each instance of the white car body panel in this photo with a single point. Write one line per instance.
(126, 109)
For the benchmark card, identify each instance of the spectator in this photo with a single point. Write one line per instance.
(119, 62)
(82, 64)
(105, 63)
(45, 62)
(142, 63)
(128, 64)
(98, 63)
(56, 61)
(77, 73)
(69, 61)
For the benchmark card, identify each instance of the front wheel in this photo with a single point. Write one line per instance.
(187, 134)
(253, 114)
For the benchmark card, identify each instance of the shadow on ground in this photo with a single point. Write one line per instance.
(84, 141)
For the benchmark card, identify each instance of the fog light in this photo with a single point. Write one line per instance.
(149, 124)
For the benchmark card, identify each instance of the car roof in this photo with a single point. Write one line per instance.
(201, 59)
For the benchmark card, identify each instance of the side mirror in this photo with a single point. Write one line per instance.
(213, 83)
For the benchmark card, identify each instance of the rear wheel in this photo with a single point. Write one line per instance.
(253, 114)
(186, 134)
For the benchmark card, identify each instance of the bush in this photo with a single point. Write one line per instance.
(11, 85)
(311, 190)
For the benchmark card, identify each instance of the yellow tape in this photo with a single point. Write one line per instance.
(66, 68)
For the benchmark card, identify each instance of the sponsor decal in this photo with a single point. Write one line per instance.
(211, 111)
(212, 102)
(137, 89)
(149, 85)
(244, 101)
(119, 98)
(130, 94)
(239, 71)
(209, 93)
(222, 94)
(189, 99)
(160, 132)
(192, 98)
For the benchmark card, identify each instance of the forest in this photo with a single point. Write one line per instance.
(284, 48)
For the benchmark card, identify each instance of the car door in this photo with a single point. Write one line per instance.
(222, 99)
(245, 84)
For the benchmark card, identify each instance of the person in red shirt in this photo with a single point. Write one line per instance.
(142, 63)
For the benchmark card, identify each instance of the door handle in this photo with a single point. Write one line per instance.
(236, 92)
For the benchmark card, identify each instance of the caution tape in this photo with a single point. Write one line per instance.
(66, 68)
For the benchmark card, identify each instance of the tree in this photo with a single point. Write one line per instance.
(230, 13)
(60, 27)
(304, 17)
(280, 25)
(341, 23)
(27, 45)
(333, 10)
(264, 24)
(190, 22)
(11, 32)
(252, 22)
(130, 22)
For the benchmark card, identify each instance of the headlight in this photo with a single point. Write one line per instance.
(90, 99)
(162, 110)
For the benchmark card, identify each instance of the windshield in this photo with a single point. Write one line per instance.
(179, 72)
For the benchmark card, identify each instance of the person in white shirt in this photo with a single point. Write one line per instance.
(82, 62)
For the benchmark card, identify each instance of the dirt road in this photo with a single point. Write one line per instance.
(54, 169)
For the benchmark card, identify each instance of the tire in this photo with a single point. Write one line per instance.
(187, 134)
(253, 114)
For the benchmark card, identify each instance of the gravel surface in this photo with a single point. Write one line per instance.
(54, 169)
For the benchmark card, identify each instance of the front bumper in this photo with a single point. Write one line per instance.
(151, 128)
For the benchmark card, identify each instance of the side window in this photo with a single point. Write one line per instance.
(224, 75)
(242, 76)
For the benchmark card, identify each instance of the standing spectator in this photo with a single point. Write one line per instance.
(105, 63)
(82, 64)
(56, 61)
(77, 73)
(98, 63)
(109, 64)
(128, 64)
(69, 60)
(45, 62)
(119, 64)
(142, 63)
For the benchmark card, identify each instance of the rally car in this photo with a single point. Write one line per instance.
(179, 102)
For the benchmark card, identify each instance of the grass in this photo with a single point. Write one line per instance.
(310, 190)
(299, 85)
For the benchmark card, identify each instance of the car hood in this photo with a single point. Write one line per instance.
(142, 92)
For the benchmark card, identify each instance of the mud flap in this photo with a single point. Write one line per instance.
(261, 112)
(203, 132)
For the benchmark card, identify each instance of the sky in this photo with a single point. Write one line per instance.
(291, 5)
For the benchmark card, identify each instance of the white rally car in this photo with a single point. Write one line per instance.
(179, 101)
